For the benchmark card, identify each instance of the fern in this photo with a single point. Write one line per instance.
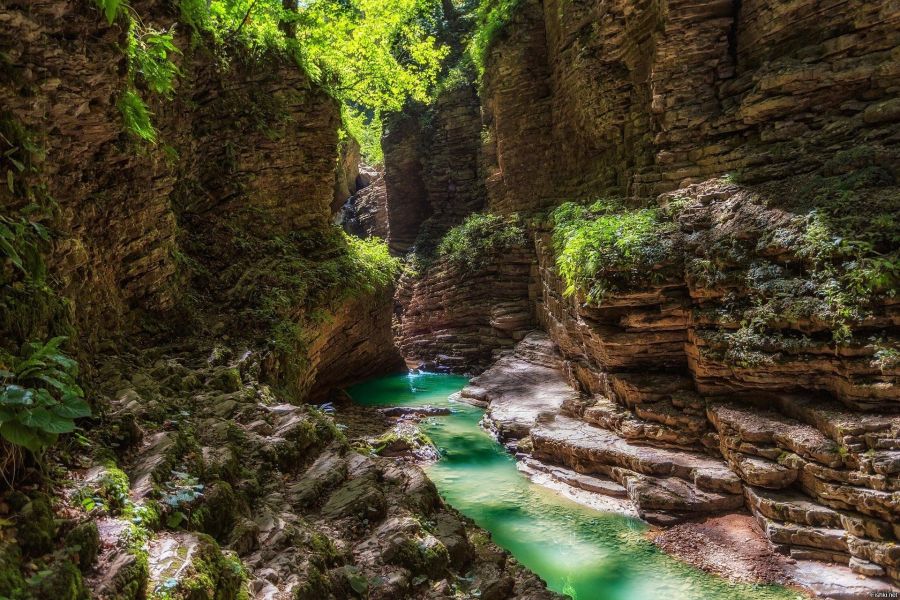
(110, 8)
(20, 242)
(136, 116)
(150, 55)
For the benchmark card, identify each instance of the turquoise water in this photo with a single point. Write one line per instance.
(587, 554)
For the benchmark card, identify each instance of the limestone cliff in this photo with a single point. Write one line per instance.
(721, 375)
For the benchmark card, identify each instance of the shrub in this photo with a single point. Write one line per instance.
(40, 397)
(606, 247)
(479, 238)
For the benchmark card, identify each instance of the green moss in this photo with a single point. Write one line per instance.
(608, 247)
(213, 575)
(479, 239)
(109, 491)
(35, 523)
(427, 557)
(398, 441)
(315, 586)
(12, 583)
(228, 380)
(61, 580)
(283, 287)
(217, 512)
(84, 542)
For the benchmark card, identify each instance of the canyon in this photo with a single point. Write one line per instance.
(733, 356)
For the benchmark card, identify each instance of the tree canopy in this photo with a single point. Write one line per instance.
(372, 54)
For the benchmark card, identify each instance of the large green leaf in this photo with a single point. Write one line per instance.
(43, 397)
(16, 395)
(20, 435)
(72, 408)
(63, 361)
(44, 420)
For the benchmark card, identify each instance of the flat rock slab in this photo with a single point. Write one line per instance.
(521, 388)
(588, 444)
(415, 411)
(838, 582)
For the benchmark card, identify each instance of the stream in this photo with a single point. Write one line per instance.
(578, 551)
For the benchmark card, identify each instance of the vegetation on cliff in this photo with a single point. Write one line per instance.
(371, 55)
(607, 247)
(480, 238)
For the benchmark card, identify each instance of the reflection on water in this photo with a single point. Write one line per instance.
(586, 554)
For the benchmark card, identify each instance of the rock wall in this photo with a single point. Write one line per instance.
(117, 229)
(409, 206)
(809, 433)
(743, 122)
(457, 320)
(146, 236)
(639, 98)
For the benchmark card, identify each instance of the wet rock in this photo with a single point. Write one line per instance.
(451, 532)
(415, 411)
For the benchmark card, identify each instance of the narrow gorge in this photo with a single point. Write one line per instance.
(532, 299)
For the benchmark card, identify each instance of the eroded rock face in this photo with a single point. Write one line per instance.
(409, 206)
(457, 320)
(736, 123)
(640, 98)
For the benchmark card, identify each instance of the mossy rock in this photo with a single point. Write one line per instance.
(129, 581)
(35, 523)
(200, 571)
(244, 536)
(422, 556)
(228, 380)
(61, 581)
(316, 586)
(107, 485)
(11, 580)
(218, 511)
(84, 542)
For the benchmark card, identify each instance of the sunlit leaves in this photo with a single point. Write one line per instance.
(371, 53)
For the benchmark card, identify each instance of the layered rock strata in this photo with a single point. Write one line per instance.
(639, 98)
(816, 425)
(457, 320)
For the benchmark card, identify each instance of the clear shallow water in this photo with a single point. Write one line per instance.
(586, 554)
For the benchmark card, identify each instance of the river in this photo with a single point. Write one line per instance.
(578, 551)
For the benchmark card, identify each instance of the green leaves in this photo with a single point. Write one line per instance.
(39, 396)
(472, 244)
(608, 247)
(15, 395)
(21, 435)
(371, 54)
(150, 53)
(136, 116)
(491, 18)
(110, 9)
(20, 242)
